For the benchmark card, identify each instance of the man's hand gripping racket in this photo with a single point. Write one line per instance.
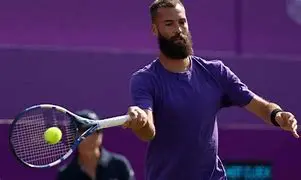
(27, 131)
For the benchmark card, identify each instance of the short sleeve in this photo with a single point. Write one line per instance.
(141, 91)
(236, 93)
(125, 170)
(71, 171)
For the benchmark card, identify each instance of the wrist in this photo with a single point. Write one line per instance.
(273, 116)
(137, 128)
(146, 133)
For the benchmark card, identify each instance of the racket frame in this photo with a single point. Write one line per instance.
(93, 126)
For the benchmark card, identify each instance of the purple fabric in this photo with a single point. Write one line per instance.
(185, 107)
(235, 92)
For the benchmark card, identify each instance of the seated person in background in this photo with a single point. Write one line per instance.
(93, 162)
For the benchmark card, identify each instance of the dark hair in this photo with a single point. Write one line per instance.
(162, 4)
(89, 114)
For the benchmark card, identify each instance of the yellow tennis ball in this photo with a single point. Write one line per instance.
(53, 135)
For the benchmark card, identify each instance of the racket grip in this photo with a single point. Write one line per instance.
(113, 121)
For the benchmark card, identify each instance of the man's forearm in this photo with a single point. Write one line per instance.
(146, 133)
(262, 108)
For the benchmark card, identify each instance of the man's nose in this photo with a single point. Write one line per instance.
(179, 30)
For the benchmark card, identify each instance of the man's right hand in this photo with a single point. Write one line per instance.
(138, 118)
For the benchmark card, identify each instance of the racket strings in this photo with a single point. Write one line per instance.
(27, 136)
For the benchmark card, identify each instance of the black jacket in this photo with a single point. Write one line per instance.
(111, 166)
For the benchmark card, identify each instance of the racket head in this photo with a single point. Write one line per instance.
(26, 135)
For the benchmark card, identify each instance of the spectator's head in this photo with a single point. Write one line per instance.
(94, 141)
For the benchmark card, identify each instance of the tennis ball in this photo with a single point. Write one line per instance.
(53, 135)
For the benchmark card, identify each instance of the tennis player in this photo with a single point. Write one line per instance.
(176, 99)
(93, 161)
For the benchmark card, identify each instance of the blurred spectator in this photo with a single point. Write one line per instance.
(93, 162)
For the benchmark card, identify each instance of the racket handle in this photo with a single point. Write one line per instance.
(113, 121)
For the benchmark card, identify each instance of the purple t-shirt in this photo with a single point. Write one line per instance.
(184, 107)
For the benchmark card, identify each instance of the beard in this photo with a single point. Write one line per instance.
(177, 47)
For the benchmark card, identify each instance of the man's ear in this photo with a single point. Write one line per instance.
(154, 30)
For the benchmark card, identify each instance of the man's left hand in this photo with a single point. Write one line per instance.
(287, 121)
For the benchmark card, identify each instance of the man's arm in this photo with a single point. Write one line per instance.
(236, 93)
(147, 132)
(262, 108)
(142, 122)
(270, 112)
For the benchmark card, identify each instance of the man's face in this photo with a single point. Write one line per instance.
(171, 28)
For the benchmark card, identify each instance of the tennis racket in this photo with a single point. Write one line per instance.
(26, 134)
